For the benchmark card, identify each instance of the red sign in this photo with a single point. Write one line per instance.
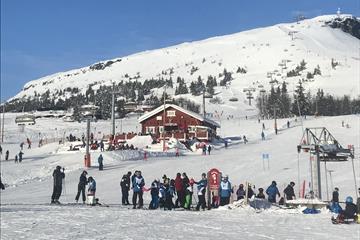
(214, 179)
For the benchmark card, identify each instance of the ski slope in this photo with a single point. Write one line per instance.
(26, 213)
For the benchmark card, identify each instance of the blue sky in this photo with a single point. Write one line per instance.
(41, 37)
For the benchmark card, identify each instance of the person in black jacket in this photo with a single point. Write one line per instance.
(81, 187)
(125, 188)
(335, 196)
(289, 191)
(348, 214)
(58, 177)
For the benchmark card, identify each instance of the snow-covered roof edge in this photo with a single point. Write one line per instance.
(161, 108)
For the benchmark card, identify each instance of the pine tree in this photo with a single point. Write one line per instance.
(300, 101)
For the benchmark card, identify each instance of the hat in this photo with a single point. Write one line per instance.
(292, 183)
(85, 172)
(336, 189)
(58, 167)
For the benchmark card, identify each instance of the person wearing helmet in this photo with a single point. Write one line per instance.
(58, 176)
(201, 185)
(349, 213)
(225, 191)
(272, 191)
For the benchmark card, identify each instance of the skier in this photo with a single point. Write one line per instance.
(138, 184)
(189, 191)
(289, 191)
(209, 149)
(100, 161)
(58, 177)
(272, 191)
(154, 204)
(91, 191)
(81, 187)
(7, 155)
(201, 185)
(185, 184)
(250, 192)
(262, 135)
(261, 194)
(245, 139)
(28, 142)
(179, 191)
(334, 205)
(16, 158)
(125, 188)
(288, 124)
(240, 193)
(21, 145)
(349, 213)
(263, 126)
(169, 193)
(225, 191)
(102, 146)
(20, 156)
(2, 186)
(204, 150)
(335, 196)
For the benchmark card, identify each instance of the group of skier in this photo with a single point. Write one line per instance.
(182, 187)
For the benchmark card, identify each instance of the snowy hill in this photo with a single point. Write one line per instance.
(267, 54)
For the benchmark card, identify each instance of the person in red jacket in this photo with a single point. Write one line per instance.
(179, 191)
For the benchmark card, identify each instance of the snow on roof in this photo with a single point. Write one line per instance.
(190, 113)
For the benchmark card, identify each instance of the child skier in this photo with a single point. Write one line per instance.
(188, 194)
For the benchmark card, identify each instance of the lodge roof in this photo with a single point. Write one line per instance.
(190, 113)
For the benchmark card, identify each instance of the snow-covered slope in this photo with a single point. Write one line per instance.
(275, 50)
(25, 214)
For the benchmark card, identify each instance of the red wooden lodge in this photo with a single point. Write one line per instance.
(172, 121)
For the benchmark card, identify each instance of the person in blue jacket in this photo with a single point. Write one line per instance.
(154, 204)
(225, 191)
(272, 191)
(201, 186)
(138, 184)
(92, 186)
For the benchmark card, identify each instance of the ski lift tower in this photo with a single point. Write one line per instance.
(249, 93)
(88, 114)
(323, 147)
